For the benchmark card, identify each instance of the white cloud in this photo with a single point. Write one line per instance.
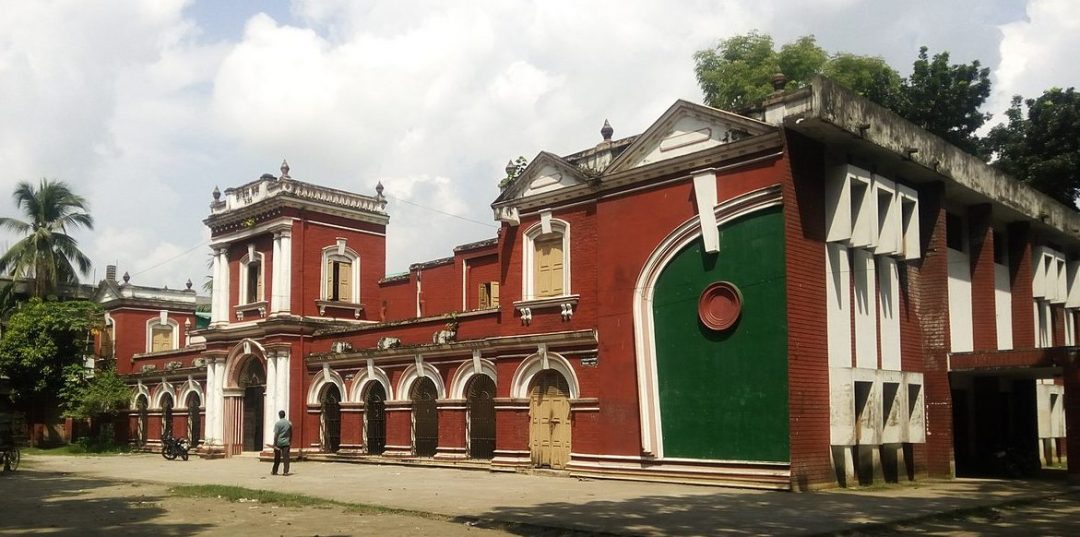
(1038, 53)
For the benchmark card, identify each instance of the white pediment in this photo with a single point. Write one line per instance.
(545, 174)
(684, 129)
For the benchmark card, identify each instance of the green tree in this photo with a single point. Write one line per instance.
(1041, 147)
(945, 98)
(97, 396)
(738, 72)
(40, 341)
(940, 97)
(46, 254)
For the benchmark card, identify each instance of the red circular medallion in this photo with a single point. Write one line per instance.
(720, 305)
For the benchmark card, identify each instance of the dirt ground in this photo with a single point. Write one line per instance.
(48, 503)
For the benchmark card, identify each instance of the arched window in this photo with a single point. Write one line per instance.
(166, 415)
(194, 418)
(330, 425)
(141, 405)
(375, 418)
(546, 269)
(340, 273)
(162, 334)
(251, 277)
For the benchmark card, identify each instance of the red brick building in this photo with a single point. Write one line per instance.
(822, 294)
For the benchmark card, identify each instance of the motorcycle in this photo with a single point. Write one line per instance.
(171, 448)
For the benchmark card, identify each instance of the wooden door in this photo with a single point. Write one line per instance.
(481, 402)
(375, 415)
(425, 418)
(549, 418)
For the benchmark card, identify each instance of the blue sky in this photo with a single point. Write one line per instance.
(144, 106)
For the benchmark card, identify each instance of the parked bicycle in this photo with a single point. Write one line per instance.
(171, 448)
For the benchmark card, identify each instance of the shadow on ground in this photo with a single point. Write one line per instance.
(725, 513)
(62, 504)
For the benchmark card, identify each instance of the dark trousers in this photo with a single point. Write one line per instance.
(280, 453)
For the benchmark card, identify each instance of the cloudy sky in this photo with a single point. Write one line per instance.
(144, 106)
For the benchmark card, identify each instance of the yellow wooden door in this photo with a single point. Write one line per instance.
(549, 417)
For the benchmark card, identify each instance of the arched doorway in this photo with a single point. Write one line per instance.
(166, 415)
(425, 417)
(194, 421)
(253, 382)
(549, 420)
(481, 404)
(143, 422)
(375, 418)
(331, 419)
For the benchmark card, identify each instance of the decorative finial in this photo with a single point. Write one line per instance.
(188, 284)
(779, 81)
(606, 131)
(284, 169)
(217, 194)
(379, 189)
(510, 168)
(127, 277)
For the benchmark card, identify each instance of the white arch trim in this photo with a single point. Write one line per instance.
(534, 364)
(412, 374)
(323, 378)
(234, 360)
(340, 251)
(159, 393)
(369, 375)
(560, 228)
(140, 390)
(466, 372)
(644, 341)
(191, 386)
(162, 320)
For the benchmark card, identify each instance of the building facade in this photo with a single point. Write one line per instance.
(821, 294)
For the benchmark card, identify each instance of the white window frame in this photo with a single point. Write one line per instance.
(531, 235)
(340, 252)
(248, 259)
(156, 321)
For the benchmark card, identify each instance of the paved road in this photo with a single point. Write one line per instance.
(588, 505)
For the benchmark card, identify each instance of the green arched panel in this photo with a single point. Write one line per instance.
(724, 395)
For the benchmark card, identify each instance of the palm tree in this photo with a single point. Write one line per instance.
(46, 255)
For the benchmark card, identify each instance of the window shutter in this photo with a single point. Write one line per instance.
(161, 339)
(549, 268)
(259, 282)
(344, 274)
(494, 294)
(331, 281)
(485, 298)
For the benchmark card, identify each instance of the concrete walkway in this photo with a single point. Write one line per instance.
(618, 507)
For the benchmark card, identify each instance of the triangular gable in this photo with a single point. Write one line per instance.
(106, 291)
(546, 173)
(683, 129)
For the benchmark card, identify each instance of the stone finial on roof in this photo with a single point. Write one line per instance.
(284, 169)
(217, 193)
(127, 277)
(778, 82)
(379, 190)
(510, 167)
(188, 284)
(606, 131)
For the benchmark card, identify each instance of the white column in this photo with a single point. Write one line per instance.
(221, 286)
(276, 283)
(269, 407)
(285, 274)
(219, 400)
(209, 400)
(215, 294)
(283, 382)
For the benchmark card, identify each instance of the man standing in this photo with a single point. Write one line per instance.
(282, 439)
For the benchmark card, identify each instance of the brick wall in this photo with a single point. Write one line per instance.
(1020, 272)
(808, 360)
(983, 307)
